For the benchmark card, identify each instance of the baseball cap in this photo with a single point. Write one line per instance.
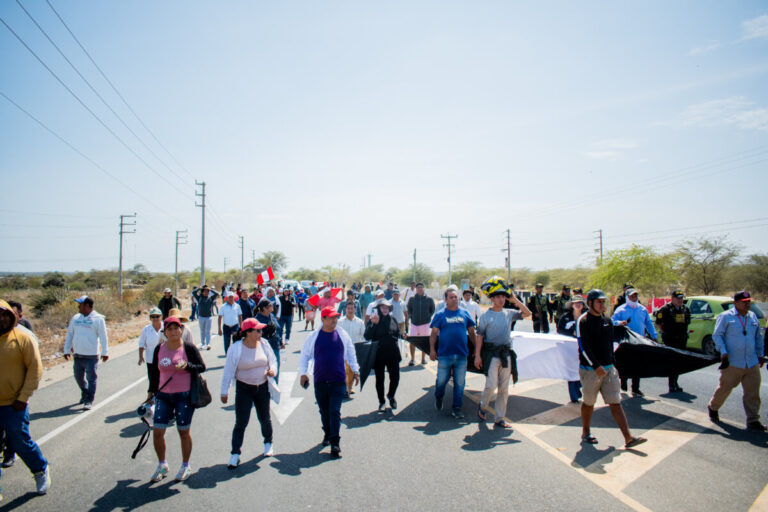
(678, 295)
(379, 293)
(539, 285)
(329, 312)
(84, 299)
(172, 320)
(251, 323)
(167, 290)
(630, 291)
(155, 312)
(742, 296)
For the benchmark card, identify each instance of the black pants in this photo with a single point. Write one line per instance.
(247, 396)
(541, 326)
(301, 312)
(329, 396)
(635, 383)
(393, 367)
(674, 343)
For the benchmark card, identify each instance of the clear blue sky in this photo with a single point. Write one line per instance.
(328, 130)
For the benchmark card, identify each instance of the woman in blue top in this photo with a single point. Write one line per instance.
(264, 316)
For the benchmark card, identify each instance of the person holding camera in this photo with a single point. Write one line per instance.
(250, 362)
(382, 327)
(174, 363)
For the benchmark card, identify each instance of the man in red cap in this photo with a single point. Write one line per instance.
(329, 347)
(737, 338)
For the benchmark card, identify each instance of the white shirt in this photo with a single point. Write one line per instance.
(408, 294)
(85, 333)
(230, 313)
(148, 340)
(355, 328)
(473, 308)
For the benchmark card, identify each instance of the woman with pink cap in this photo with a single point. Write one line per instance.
(250, 362)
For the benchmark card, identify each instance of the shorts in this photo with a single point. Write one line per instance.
(608, 386)
(309, 315)
(170, 405)
(420, 330)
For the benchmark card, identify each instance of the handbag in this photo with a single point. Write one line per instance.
(199, 395)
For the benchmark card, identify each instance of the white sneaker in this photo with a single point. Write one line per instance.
(234, 461)
(160, 473)
(184, 472)
(43, 481)
(268, 450)
(88, 406)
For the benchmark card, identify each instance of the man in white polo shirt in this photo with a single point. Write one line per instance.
(86, 331)
(231, 315)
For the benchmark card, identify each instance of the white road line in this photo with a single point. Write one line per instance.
(58, 430)
(287, 403)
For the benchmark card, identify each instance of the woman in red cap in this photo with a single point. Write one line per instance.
(250, 361)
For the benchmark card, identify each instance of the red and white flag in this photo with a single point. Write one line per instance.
(265, 276)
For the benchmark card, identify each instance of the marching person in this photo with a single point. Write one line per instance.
(150, 337)
(20, 372)
(493, 338)
(737, 338)
(673, 319)
(246, 304)
(454, 327)
(596, 369)
(622, 299)
(174, 364)
(270, 331)
(633, 315)
(250, 361)
(409, 292)
(470, 305)
(300, 297)
(20, 315)
(355, 328)
(574, 308)
(366, 299)
(167, 302)
(561, 303)
(309, 315)
(398, 311)
(538, 304)
(369, 310)
(382, 327)
(87, 330)
(420, 309)
(287, 303)
(232, 316)
(329, 347)
(206, 300)
(342, 309)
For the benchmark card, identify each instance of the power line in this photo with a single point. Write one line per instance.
(95, 116)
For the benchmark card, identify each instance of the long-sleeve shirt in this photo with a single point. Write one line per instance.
(637, 319)
(20, 366)
(85, 333)
(233, 358)
(355, 328)
(743, 349)
(595, 335)
(420, 309)
(205, 304)
(308, 351)
(168, 303)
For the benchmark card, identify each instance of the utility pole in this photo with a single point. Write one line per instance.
(253, 257)
(369, 260)
(225, 264)
(181, 239)
(242, 259)
(599, 240)
(414, 264)
(123, 225)
(508, 262)
(449, 245)
(201, 205)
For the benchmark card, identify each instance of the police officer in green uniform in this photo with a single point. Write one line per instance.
(538, 303)
(561, 301)
(673, 319)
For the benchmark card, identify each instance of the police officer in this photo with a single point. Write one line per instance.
(538, 303)
(673, 319)
(561, 301)
(623, 297)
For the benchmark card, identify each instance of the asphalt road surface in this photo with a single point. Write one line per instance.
(413, 458)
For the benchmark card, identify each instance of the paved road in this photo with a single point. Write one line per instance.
(412, 458)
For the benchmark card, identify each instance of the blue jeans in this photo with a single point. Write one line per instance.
(16, 427)
(194, 312)
(173, 405)
(85, 375)
(444, 365)
(274, 342)
(329, 396)
(247, 396)
(204, 322)
(285, 326)
(574, 389)
(228, 331)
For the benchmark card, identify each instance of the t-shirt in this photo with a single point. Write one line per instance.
(166, 363)
(252, 366)
(495, 326)
(453, 332)
(148, 340)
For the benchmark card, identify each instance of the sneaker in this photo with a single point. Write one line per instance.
(393, 403)
(268, 450)
(326, 441)
(335, 451)
(184, 472)
(756, 426)
(160, 473)
(637, 392)
(713, 415)
(82, 400)
(8, 461)
(88, 406)
(234, 461)
(439, 403)
(382, 407)
(207, 347)
(458, 414)
(43, 481)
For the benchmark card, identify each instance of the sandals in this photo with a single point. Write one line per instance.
(589, 439)
(635, 442)
(503, 424)
(480, 413)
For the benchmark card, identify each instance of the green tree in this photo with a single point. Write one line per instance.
(472, 270)
(424, 274)
(648, 270)
(372, 274)
(275, 259)
(703, 263)
(54, 280)
(751, 275)
(542, 277)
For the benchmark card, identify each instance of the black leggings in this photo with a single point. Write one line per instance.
(393, 367)
(247, 396)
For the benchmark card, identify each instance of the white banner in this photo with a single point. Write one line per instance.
(551, 356)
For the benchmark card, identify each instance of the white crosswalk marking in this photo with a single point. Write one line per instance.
(288, 403)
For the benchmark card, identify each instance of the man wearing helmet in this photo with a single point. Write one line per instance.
(596, 369)
(493, 348)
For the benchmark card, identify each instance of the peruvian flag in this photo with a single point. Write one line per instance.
(336, 293)
(265, 276)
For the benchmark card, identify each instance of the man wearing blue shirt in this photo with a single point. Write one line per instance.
(633, 315)
(453, 327)
(737, 338)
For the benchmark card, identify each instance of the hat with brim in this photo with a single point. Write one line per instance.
(84, 299)
(576, 298)
(155, 312)
(324, 291)
(251, 323)
(383, 302)
(742, 296)
(167, 290)
(329, 312)
(630, 291)
(173, 312)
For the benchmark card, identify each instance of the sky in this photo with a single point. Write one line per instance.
(333, 130)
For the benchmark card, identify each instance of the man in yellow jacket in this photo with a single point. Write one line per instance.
(20, 372)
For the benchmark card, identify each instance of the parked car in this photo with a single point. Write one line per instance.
(704, 313)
